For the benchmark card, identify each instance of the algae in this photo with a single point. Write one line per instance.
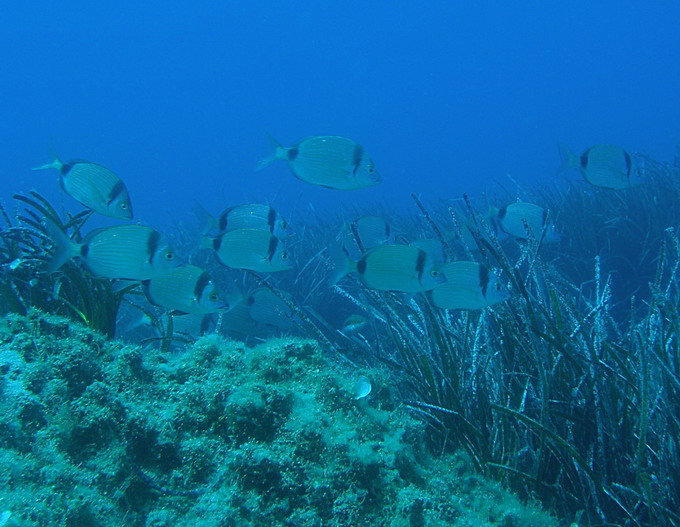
(100, 433)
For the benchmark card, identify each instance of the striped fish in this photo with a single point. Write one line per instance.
(265, 307)
(371, 231)
(514, 219)
(606, 166)
(328, 161)
(402, 268)
(251, 249)
(94, 186)
(186, 289)
(354, 324)
(469, 285)
(130, 252)
(253, 216)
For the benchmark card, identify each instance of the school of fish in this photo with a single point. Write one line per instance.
(253, 237)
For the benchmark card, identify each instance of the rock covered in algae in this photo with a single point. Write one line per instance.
(98, 433)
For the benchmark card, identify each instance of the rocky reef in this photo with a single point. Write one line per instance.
(99, 433)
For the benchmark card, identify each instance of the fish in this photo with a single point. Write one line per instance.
(372, 231)
(254, 216)
(469, 285)
(328, 161)
(402, 268)
(93, 186)
(251, 249)
(362, 387)
(606, 166)
(126, 252)
(237, 322)
(186, 289)
(265, 307)
(515, 218)
(354, 324)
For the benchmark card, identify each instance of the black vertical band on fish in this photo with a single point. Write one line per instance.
(502, 212)
(152, 244)
(420, 264)
(292, 153)
(357, 156)
(201, 283)
(355, 232)
(584, 159)
(629, 162)
(223, 220)
(116, 191)
(273, 243)
(271, 219)
(361, 266)
(217, 243)
(483, 279)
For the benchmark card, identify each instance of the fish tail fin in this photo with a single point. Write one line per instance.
(280, 152)
(342, 264)
(568, 158)
(64, 247)
(56, 164)
(207, 223)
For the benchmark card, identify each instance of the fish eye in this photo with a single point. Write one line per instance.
(124, 206)
(284, 255)
(370, 169)
(434, 273)
(284, 225)
(169, 256)
(214, 297)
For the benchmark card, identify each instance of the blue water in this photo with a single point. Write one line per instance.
(446, 96)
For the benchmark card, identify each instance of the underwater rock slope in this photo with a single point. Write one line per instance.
(98, 433)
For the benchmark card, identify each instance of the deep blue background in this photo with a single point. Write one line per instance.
(177, 97)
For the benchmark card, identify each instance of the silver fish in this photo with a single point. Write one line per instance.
(129, 252)
(192, 325)
(606, 166)
(370, 231)
(254, 216)
(94, 186)
(515, 218)
(354, 324)
(362, 388)
(251, 249)
(402, 268)
(469, 285)
(186, 289)
(265, 307)
(237, 322)
(328, 161)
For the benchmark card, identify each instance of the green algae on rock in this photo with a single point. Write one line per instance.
(97, 433)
